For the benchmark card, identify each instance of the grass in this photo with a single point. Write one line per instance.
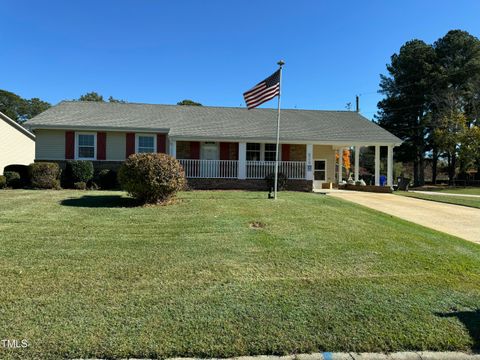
(461, 190)
(449, 199)
(86, 274)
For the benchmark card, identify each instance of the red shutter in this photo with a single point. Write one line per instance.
(224, 151)
(130, 144)
(195, 150)
(69, 144)
(161, 143)
(101, 145)
(235, 151)
(286, 152)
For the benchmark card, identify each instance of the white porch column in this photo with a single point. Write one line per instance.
(357, 162)
(390, 166)
(242, 160)
(377, 165)
(309, 162)
(340, 165)
(173, 148)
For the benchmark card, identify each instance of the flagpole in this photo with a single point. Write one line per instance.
(280, 64)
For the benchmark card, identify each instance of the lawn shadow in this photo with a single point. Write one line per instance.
(471, 320)
(101, 201)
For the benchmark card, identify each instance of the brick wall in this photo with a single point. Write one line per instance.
(247, 184)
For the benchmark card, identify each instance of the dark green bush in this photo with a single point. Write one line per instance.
(281, 181)
(77, 171)
(106, 179)
(13, 179)
(152, 178)
(23, 170)
(3, 182)
(45, 175)
(81, 185)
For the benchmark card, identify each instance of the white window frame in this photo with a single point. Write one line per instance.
(137, 142)
(77, 145)
(265, 151)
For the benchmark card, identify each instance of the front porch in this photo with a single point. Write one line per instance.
(316, 163)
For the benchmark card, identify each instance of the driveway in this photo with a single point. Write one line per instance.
(460, 221)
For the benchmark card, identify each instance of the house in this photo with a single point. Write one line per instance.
(219, 147)
(17, 144)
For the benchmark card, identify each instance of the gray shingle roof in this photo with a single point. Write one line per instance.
(215, 123)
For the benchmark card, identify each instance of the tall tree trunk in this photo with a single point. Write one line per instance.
(415, 172)
(421, 170)
(434, 164)
(453, 165)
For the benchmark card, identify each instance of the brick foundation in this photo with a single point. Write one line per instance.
(367, 188)
(208, 184)
(247, 184)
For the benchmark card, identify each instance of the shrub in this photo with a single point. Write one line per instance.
(45, 175)
(281, 181)
(107, 179)
(77, 171)
(81, 185)
(13, 179)
(152, 178)
(3, 182)
(22, 170)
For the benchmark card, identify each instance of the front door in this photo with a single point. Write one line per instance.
(319, 173)
(209, 151)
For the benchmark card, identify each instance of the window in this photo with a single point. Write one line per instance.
(270, 150)
(319, 171)
(86, 147)
(146, 144)
(253, 152)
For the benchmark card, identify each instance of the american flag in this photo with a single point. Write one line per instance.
(265, 90)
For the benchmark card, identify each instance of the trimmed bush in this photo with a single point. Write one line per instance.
(81, 185)
(77, 171)
(107, 179)
(23, 170)
(45, 175)
(281, 181)
(152, 178)
(13, 179)
(3, 182)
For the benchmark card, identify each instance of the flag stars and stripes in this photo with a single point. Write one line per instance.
(263, 91)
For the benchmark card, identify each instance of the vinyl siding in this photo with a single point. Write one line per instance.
(50, 145)
(326, 152)
(116, 144)
(15, 146)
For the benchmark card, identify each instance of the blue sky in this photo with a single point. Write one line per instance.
(212, 51)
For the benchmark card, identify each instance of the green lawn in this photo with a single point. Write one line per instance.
(449, 199)
(462, 190)
(84, 274)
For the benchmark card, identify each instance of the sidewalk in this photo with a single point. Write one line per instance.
(444, 193)
(423, 355)
(456, 220)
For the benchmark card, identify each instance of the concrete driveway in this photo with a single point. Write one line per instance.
(460, 221)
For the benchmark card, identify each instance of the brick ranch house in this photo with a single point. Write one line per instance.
(219, 147)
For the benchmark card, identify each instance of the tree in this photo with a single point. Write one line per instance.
(111, 99)
(405, 109)
(94, 96)
(189, 102)
(19, 109)
(91, 96)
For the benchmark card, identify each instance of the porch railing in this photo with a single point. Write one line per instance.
(226, 169)
(260, 169)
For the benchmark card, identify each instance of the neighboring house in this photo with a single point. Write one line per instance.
(17, 144)
(219, 147)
